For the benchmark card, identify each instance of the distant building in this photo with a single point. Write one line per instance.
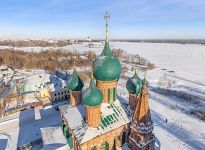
(49, 88)
(35, 82)
(61, 94)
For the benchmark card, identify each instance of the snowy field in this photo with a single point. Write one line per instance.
(185, 59)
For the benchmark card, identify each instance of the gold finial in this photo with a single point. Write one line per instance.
(106, 17)
(136, 70)
(74, 62)
(145, 74)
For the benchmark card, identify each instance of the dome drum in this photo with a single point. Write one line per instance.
(93, 117)
(108, 89)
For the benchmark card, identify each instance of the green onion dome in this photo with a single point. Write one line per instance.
(106, 67)
(75, 83)
(134, 84)
(92, 95)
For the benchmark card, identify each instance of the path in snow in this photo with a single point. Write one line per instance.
(184, 128)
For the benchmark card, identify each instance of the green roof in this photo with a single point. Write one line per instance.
(106, 67)
(107, 51)
(75, 83)
(134, 84)
(92, 96)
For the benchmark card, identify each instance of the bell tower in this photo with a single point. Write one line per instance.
(141, 136)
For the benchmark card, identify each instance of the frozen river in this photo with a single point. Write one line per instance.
(187, 60)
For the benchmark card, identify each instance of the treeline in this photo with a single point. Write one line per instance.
(49, 60)
(138, 61)
(35, 43)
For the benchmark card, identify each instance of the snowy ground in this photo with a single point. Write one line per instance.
(182, 131)
(24, 127)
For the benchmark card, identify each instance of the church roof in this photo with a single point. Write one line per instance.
(142, 111)
(134, 84)
(92, 95)
(106, 68)
(75, 83)
(113, 116)
(107, 51)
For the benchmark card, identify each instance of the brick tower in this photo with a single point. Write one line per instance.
(141, 136)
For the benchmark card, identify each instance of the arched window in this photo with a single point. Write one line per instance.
(94, 148)
(105, 146)
(123, 137)
(116, 142)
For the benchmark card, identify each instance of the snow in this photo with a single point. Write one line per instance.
(182, 131)
(53, 138)
(24, 127)
(84, 133)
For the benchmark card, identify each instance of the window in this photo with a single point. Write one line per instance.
(105, 146)
(114, 94)
(110, 93)
(94, 148)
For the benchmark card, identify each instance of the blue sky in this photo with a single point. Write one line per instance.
(130, 19)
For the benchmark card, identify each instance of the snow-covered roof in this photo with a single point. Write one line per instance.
(53, 138)
(38, 78)
(113, 116)
(3, 67)
(57, 85)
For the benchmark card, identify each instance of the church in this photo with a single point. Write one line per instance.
(96, 119)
